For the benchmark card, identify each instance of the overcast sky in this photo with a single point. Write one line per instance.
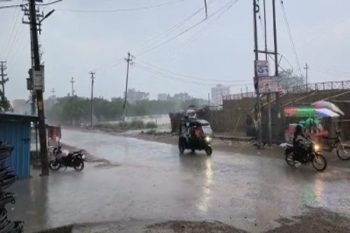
(173, 51)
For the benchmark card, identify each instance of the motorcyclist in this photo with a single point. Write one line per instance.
(300, 143)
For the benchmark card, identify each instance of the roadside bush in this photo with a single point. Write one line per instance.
(151, 125)
(136, 125)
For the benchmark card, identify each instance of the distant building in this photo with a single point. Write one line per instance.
(182, 97)
(163, 97)
(218, 92)
(134, 96)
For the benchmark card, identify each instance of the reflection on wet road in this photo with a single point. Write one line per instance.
(154, 183)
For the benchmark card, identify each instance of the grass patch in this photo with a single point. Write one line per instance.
(65, 229)
(123, 126)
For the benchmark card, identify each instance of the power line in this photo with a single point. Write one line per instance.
(49, 3)
(291, 37)
(177, 78)
(186, 75)
(123, 9)
(187, 29)
(13, 31)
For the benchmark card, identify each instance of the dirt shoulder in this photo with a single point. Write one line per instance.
(314, 220)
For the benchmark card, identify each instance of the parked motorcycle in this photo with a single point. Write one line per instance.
(311, 155)
(73, 159)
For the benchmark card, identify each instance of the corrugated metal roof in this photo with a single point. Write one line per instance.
(17, 117)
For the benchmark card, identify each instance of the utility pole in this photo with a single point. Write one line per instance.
(92, 98)
(72, 82)
(269, 123)
(256, 78)
(275, 37)
(279, 123)
(265, 30)
(307, 75)
(53, 92)
(129, 61)
(39, 91)
(3, 75)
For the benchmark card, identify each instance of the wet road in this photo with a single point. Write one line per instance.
(150, 181)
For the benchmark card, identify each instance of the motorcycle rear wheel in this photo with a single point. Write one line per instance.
(319, 163)
(54, 165)
(290, 159)
(79, 165)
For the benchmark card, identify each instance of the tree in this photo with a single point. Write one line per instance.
(287, 79)
(4, 103)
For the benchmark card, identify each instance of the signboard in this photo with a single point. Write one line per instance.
(262, 68)
(268, 85)
(38, 79)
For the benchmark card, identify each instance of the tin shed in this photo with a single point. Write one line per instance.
(16, 131)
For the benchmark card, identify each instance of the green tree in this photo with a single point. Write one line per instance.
(288, 79)
(4, 103)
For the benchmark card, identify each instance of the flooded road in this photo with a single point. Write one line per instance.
(150, 181)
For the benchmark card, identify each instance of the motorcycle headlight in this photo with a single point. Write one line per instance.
(208, 139)
(317, 147)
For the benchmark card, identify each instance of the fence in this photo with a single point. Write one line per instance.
(321, 86)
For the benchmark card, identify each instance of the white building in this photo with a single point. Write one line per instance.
(218, 92)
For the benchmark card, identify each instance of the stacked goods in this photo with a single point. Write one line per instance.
(7, 178)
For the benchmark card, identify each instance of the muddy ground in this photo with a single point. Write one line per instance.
(315, 220)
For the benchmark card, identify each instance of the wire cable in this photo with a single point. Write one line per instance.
(183, 79)
(186, 75)
(123, 9)
(291, 37)
(186, 30)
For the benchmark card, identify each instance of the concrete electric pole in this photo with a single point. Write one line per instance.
(37, 76)
(256, 78)
(92, 98)
(129, 61)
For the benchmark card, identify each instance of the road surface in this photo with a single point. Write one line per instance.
(150, 181)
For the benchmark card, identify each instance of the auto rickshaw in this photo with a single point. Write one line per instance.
(195, 134)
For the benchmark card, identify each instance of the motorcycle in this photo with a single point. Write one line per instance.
(73, 159)
(311, 155)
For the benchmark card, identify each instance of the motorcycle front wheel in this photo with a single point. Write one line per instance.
(209, 150)
(319, 163)
(78, 165)
(54, 165)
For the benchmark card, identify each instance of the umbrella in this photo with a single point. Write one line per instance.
(328, 105)
(310, 112)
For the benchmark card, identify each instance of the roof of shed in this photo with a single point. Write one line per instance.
(17, 117)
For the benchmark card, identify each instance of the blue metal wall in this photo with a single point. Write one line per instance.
(17, 134)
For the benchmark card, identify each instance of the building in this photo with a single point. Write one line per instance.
(163, 97)
(218, 92)
(182, 97)
(134, 96)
